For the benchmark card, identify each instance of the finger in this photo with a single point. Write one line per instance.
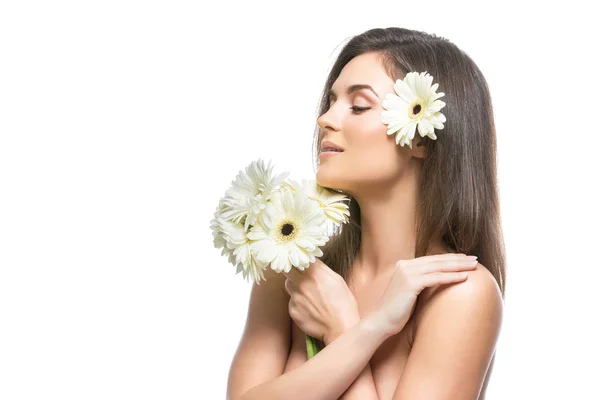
(318, 264)
(294, 275)
(314, 269)
(440, 279)
(290, 287)
(447, 266)
(438, 258)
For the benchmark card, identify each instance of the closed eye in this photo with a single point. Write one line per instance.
(359, 110)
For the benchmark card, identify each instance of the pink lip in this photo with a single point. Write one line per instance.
(327, 144)
(325, 154)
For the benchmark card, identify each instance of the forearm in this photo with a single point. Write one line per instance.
(328, 374)
(363, 387)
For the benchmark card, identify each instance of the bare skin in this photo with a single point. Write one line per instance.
(383, 178)
(388, 362)
(417, 362)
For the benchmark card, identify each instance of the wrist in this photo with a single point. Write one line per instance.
(339, 330)
(375, 323)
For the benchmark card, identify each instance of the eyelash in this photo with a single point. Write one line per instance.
(359, 110)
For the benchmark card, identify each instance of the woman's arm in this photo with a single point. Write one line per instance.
(328, 374)
(263, 350)
(363, 387)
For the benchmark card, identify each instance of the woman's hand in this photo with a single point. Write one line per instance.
(410, 278)
(321, 304)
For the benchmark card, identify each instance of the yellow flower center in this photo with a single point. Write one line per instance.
(287, 230)
(416, 109)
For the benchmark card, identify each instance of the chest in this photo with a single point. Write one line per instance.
(388, 361)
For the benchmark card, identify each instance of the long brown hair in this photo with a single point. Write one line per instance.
(458, 196)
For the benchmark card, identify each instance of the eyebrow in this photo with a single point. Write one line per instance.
(352, 89)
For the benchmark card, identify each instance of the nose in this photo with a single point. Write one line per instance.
(328, 121)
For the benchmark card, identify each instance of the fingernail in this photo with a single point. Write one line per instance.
(472, 257)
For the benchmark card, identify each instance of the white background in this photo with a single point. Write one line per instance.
(122, 123)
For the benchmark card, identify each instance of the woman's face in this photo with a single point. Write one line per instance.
(371, 159)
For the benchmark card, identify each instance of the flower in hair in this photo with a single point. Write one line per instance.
(414, 105)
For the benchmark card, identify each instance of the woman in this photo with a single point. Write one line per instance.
(388, 299)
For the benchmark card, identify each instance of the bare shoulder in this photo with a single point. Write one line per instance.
(456, 327)
(479, 286)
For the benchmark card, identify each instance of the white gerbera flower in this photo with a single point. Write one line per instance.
(330, 202)
(250, 192)
(253, 268)
(413, 105)
(233, 239)
(238, 241)
(218, 239)
(219, 228)
(289, 231)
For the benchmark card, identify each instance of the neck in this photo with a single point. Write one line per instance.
(388, 226)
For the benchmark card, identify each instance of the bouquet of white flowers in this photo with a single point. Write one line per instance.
(265, 220)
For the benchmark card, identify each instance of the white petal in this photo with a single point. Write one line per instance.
(256, 233)
(406, 92)
(265, 250)
(427, 127)
(292, 255)
(411, 133)
(305, 243)
(436, 106)
(280, 264)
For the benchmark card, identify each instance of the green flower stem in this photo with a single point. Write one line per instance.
(313, 346)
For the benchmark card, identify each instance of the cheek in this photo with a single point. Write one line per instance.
(370, 129)
(364, 136)
(372, 142)
(374, 158)
(375, 155)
